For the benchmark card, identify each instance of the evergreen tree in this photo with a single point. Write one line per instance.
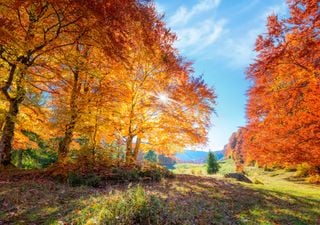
(151, 156)
(212, 164)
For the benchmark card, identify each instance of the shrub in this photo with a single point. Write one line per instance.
(124, 174)
(314, 179)
(303, 170)
(75, 180)
(34, 158)
(152, 172)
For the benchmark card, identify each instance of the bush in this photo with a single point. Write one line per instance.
(303, 170)
(151, 172)
(34, 158)
(76, 180)
(314, 179)
(153, 175)
(96, 175)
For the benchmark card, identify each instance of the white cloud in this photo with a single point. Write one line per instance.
(199, 36)
(239, 49)
(183, 15)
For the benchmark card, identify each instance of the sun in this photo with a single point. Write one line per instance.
(163, 98)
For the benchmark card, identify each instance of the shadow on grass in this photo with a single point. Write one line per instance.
(184, 200)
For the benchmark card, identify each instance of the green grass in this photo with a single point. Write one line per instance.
(226, 166)
(190, 168)
(187, 199)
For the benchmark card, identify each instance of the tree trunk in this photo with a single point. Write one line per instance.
(136, 148)
(132, 153)
(66, 140)
(64, 144)
(129, 156)
(8, 133)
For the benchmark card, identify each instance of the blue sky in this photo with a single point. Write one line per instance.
(219, 36)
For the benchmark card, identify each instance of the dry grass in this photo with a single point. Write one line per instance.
(188, 199)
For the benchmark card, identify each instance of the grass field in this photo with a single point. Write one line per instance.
(226, 166)
(186, 199)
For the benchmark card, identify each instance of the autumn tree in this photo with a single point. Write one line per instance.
(104, 70)
(235, 149)
(33, 32)
(72, 94)
(164, 109)
(29, 30)
(157, 96)
(284, 109)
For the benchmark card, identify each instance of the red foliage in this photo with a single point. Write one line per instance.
(284, 108)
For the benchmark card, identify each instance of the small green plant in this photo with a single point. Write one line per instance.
(212, 164)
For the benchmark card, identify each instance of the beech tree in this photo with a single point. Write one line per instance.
(235, 150)
(284, 109)
(101, 70)
(28, 31)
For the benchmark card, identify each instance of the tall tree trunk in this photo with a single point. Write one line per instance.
(136, 148)
(64, 144)
(132, 153)
(129, 158)
(8, 133)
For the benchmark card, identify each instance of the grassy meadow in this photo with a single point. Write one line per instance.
(192, 197)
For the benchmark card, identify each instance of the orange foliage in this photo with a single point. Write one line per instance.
(105, 70)
(234, 149)
(284, 106)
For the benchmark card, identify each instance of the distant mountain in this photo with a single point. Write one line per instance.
(190, 156)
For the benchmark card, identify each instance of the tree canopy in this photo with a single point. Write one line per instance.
(101, 71)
